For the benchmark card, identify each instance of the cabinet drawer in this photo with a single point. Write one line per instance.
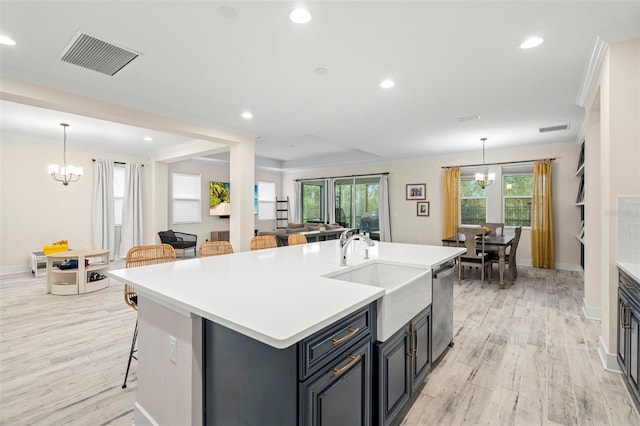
(630, 285)
(321, 347)
(340, 393)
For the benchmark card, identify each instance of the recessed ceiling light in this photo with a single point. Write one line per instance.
(148, 138)
(6, 40)
(321, 71)
(531, 42)
(300, 16)
(387, 83)
(247, 115)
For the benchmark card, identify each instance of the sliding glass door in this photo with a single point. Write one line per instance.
(357, 203)
(313, 201)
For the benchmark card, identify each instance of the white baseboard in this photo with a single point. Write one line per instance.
(561, 266)
(141, 417)
(15, 269)
(591, 312)
(609, 361)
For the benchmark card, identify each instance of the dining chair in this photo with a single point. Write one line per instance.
(475, 256)
(263, 242)
(494, 228)
(215, 248)
(142, 256)
(296, 239)
(510, 255)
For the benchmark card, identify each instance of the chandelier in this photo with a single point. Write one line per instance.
(484, 180)
(66, 173)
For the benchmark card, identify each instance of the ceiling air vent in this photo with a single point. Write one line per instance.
(553, 128)
(98, 55)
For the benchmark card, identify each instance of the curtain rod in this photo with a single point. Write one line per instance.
(496, 164)
(346, 176)
(115, 162)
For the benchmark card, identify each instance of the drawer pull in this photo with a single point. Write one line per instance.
(341, 370)
(352, 332)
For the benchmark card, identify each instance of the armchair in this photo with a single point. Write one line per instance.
(180, 241)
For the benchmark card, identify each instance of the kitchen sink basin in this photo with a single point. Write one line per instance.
(407, 291)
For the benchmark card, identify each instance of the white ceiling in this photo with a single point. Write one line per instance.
(449, 59)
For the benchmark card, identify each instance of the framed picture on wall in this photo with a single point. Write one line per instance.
(423, 208)
(416, 191)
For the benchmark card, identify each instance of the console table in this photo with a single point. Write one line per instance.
(77, 280)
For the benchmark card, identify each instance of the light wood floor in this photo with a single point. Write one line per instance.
(522, 356)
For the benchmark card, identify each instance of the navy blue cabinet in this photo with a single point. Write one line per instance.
(629, 332)
(323, 380)
(402, 363)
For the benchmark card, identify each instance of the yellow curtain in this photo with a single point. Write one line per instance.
(542, 247)
(451, 213)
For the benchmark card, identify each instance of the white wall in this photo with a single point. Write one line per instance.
(35, 210)
(407, 227)
(217, 172)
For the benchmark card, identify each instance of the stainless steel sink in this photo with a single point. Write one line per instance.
(407, 291)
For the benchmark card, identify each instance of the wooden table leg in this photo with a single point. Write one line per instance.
(501, 264)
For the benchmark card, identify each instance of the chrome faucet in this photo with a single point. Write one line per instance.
(346, 237)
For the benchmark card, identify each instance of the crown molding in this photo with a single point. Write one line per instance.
(590, 76)
(600, 48)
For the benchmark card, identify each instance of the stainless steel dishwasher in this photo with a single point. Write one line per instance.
(442, 308)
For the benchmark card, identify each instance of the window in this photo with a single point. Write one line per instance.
(313, 201)
(187, 203)
(357, 203)
(266, 200)
(518, 191)
(118, 192)
(473, 202)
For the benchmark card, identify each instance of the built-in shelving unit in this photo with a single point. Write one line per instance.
(580, 204)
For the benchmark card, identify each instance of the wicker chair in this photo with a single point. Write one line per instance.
(263, 242)
(215, 248)
(142, 256)
(296, 239)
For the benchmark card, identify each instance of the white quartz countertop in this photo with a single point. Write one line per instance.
(632, 269)
(277, 296)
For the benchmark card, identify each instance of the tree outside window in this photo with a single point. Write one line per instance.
(518, 192)
(473, 202)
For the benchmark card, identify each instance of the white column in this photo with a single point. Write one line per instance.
(242, 179)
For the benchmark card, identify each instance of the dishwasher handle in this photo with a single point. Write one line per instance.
(444, 270)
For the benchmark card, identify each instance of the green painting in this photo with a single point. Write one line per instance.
(219, 198)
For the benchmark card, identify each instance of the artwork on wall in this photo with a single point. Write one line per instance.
(416, 191)
(423, 208)
(219, 199)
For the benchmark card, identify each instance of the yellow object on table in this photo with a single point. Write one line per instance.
(54, 248)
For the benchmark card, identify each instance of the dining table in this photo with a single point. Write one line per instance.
(492, 242)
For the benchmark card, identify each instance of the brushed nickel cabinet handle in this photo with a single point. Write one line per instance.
(341, 370)
(352, 332)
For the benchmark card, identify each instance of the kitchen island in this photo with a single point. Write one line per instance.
(271, 300)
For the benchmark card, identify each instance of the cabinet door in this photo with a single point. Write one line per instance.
(633, 360)
(623, 335)
(340, 393)
(393, 385)
(421, 359)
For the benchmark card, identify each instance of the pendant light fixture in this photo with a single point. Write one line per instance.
(484, 180)
(66, 173)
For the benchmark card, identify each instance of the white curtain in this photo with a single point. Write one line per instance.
(296, 204)
(383, 209)
(104, 228)
(330, 217)
(131, 232)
